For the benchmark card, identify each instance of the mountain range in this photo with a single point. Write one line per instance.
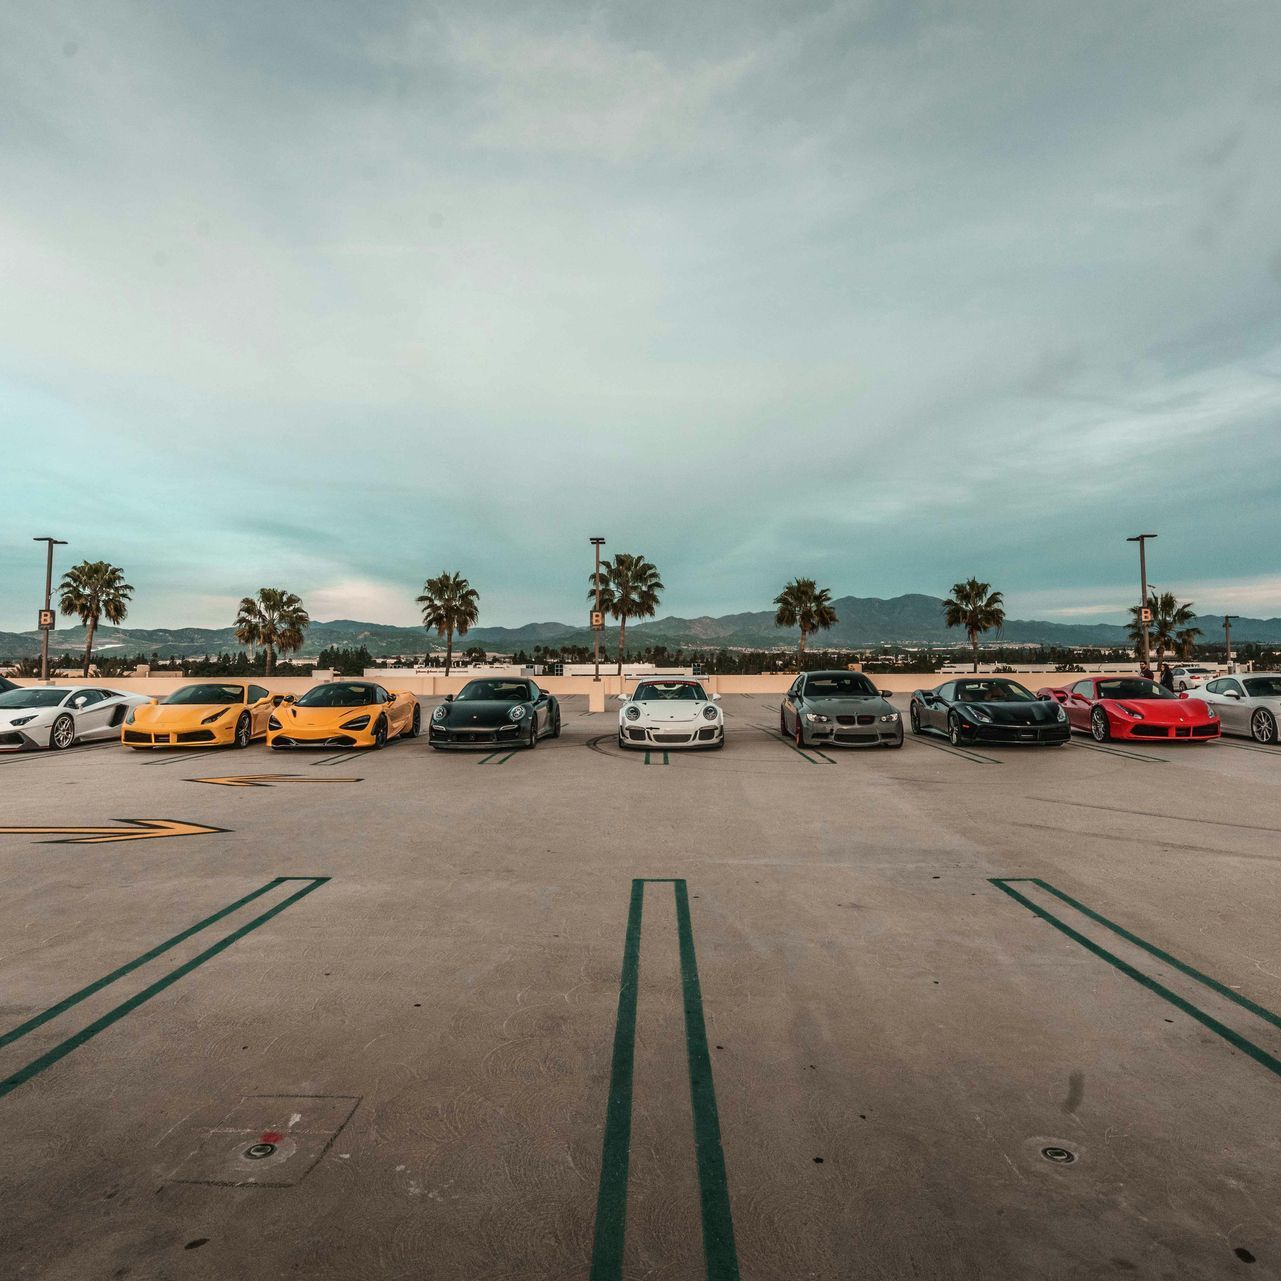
(901, 620)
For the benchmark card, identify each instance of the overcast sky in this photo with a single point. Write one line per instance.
(335, 296)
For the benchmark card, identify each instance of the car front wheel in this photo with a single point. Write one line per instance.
(416, 723)
(532, 741)
(244, 731)
(380, 733)
(954, 729)
(914, 715)
(1099, 727)
(1263, 726)
(63, 733)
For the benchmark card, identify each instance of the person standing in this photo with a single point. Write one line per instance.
(1167, 677)
(1145, 671)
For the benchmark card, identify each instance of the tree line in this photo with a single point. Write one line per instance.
(628, 588)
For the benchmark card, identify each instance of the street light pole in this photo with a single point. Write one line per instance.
(1146, 653)
(598, 543)
(1227, 640)
(48, 597)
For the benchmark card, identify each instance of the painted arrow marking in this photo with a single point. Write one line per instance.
(270, 780)
(139, 829)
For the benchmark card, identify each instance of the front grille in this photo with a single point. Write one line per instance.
(855, 738)
(671, 738)
(637, 735)
(11, 740)
(707, 735)
(1204, 731)
(847, 720)
(1150, 731)
(196, 736)
(132, 736)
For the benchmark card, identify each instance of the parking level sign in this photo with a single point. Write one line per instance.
(598, 619)
(46, 620)
(1145, 615)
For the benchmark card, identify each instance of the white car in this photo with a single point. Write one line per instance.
(670, 712)
(1248, 704)
(1191, 677)
(56, 716)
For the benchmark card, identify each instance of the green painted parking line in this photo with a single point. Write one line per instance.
(502, 758)
(667, 760)
(60, 1051)
(1258, 1054)
(719, 1253)
(782, 738)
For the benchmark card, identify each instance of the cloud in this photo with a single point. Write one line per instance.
(891, 294)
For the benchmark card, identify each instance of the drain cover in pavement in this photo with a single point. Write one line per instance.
(268, 1140)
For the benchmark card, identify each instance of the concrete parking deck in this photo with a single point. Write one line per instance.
(573, 1013)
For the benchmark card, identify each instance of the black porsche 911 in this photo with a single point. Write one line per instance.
(988, 709)
(494, 711)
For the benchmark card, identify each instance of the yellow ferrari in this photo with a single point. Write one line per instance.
(210, 714)
(344, 714)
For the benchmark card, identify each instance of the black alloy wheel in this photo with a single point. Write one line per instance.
(1099, 727)
(954, 729)
(556, 725)
(63, 733)
(380, 733)
(244, 731)
(416, 722)
(914, 715)
(533, 731)
(1263, 726)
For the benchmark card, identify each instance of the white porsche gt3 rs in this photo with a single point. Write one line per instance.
(670, 712)
(56, 716)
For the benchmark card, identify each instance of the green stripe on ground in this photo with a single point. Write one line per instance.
(75, 998)
(60, 1051)
(719, 1252)
(1233, 1038)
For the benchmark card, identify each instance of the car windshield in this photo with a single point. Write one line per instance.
(218, 695)
(1256, 686)
(495, 692)
(669, 692)
(33, 697)
(993, 692)
(1132, 687)
(337, 694)
(839, 685)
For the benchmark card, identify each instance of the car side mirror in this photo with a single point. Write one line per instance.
(449, 698)
(153, 701)
(1230, 693)
(887, 693)
(716, 698)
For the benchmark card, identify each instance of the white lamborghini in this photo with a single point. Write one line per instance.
(56, 716)
(670, 712)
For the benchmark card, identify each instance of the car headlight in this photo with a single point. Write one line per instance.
(632, 713)
(209, 720)
(980, 715)
(1129, 711)
(816, 718)
(357, 722)
(22, 720)
(440, 713)
(517, 713)
(709, 712)
(1059, 712)
(129, 715)
(889, 718)
(273, 723)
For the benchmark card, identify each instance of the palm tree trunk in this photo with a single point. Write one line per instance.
(449, 649)
(93, 627)
(622, 640)
(270, 665)
(974, 642)
(800, 653)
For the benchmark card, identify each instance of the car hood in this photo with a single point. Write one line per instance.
(480, 712)
(855, 705)
(322, 717)
(1165, 711)
(11, 714)
(171, 716)
(667, 710)
(1015, 713)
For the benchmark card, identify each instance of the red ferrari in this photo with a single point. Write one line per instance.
(1132, 707)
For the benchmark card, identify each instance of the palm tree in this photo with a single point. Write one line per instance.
(94, 590)
(629, 588)
(977, 608)
(1170, 627)
(804, 604)
(274, 619)
(450, 604)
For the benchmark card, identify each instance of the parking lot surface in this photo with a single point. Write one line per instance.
(573, 1012)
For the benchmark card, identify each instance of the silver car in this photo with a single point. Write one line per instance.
(839, 708)
(56, 716)
(1248, 704)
